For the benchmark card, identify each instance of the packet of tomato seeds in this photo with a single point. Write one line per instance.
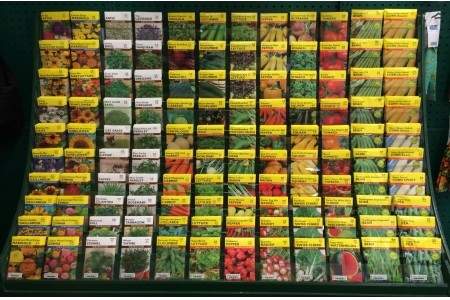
(181, 55)
(367, 110)
(400, 81)
(240, 226)
(332, 83)
(181, 26)
(100, 249)
(366, 82)
(206, 226)
(401, 159)
(399, 23)
(26, 258)
(412, 205)
(304, 161)
(340, 227)
(374, 205)
(135, 258)
(100, 226)
(112, 184)
(336, 185)
(402, 109)
(345, 259)
(54, 53)
(61, 258)
(386, 249)
(48, 159)
(118, 25)
(204, 258)
(303, 25)
(138, 226)
(404, 135)
(67, 226)
(274, 227)
(53, 82)
(108, 205)
(273, 161)
(33, 225)
(175, 205)
(118, 83)
(242, 55)
(304, 185)
(370, 183)
(244, 26)
(85, 25)
(118, 54)
(172, 225)
(177, 184)
(310, 259)
(378, 226)
(85, 54)
(367, 135)
(307, 206)
(366, 23)
(275, 259)
(308, 227)
(39, 205)
(43, 183)
(407, 183)
(417, 226)
(338, 206)
(336, 162)
(333, 55)
(243, 84)
(210, 136)
(56, 25)
(273, 206)
(148, 26)
(304, 137)
(85, 83)
(141, 206)
(365, 53)
(209, 184)
(400, 52)
(369, 160)
(333, 26)
(72, 206)
(239, 261)
(333, 111)
(170, 257)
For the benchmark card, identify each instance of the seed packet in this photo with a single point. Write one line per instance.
(181, 26)
(345, 259)
(118, 25)
(172, 225)
(39, 205)
(304, 185)
(148, 26)
(273, 112)
(179, 161)
(143, 184)
(208, 205)
(117, 111)
(335, 137)
(241, 161)
(118, 54)
(308, 227)
(111, 184)
(242, 55)
(180, 111)
(147, 136)
(367, 110)
(85, 54)
(273, 161)
(333, 26)
(84, 110)
(210, 137)
(68, 226)
(333, 111)
(108, 205)
(340, 227)
(79, 160)
(373, 205)
(141, 206)
(211, 111)
(407, 183)
(170, 257)
(306, 206)
(332, 83)
(85, 25)
(181, 83)
(378, 226)
(43, 183)
(416, 226)
(240, 226)
(48, 159)
(211, 83)
(50, 135)
(206, 226)
(412, 205)
(275, 259)
(272, 84)
(53, 82)
(273, 27)
(382, 259)
(26, 257)
(61, 258)
(304, 137)
(239, 250)
(181, 55)
(241, 195)
(72, 206)
(148, 54)
(54, 53)
(175, 205)
(366, 82)
(242, 137)
(103, 226)
(403, 159)
(402, 109)
(274, 227)
(304, 162)
(303, 26)
(209, 184)
(303, 84)
(302, 111)
(338, 206)
(336, 162)
(243, 84)
(135, 258)
(100, 257)
(84, 83)
(400, 81)
(400, 52)
(179, 136)
(75, 184)
(177, 184)
(303, 58)
(244, 26)
(366, 23)
(242, 112)
(56, 25)
(273, 206)
(399, 23)
(333, 55)
(272, 185)
(33, 225)
(118, 83)
(405, 135)
(146, 161)
(310, 259)
(204, 258)
(367, 135)
(273, 57)
(116, 136)
(365, 53)
(148, 110)
(138, 226)
(213, 26)
(370, 183)
(81, 135)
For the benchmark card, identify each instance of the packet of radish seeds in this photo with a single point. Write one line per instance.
(345, 259)
(239, 261)
(310, 259)
(275, 259)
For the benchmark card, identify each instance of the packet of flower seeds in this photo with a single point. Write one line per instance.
(99, 258)
(337, 185)
(402, 109)
(338, 206)
(74, 184)
(400, 52)
(147, 136)
(52, 109)
(112, 184)
(275, 259)
(68, 226)
(43, 183)
(48, 159)
(210, 136)
(85, 54)
(72, 206)
(241, 195)
(242, 84)
(177, 184)
(33, 225)
(54, 53)
(303, 84)
(421, 258)
(306, 206)
(50, 135)
(116, 136)
(85, 25)
(117, 83)
(370, 183)
(102, 226)
(412, 205)
(274, 226)
(333, 55)
(39, 205)
(304, 161)
(148, 26)
(366, 82)
(141, 206)
(399, 23)
(336, 162)
(136, 226)
(310, 259)
(181, 83)
(148, 110)
(148, 54)
(335, 136)
(172, 225)
(209, 184)
(365, 53)
(118, 54)
(56, 25)
(308, 227)
(303, 55)
(181, 26)
(401, 159)
(81, 135)
(114, 160)
(170, 257)
(378, 226)
(208, 205)
(243, 55)
(146, 161)
(53, 82)
(373, 205)
(304, 185)
(143, 184)
(416, 226)
(211, 84)
(26, 257)
(239, 261)
(206, 226)
(345, 259)
(304, 137)
(273, 206)
(367, 135)
(407, 183)
(242, 137)
(84, 110)
(85, 83)
(108, 205)
(175, 205)
(244, 26)
(204, 258)
(148, 83)
(118, 25)
(367, 110)
(369, 160)
(366, 23)
(403, 135)
(61, 258)
(240, 226)
(340, 227)
(400, 81)
(382, 259)
(135, 258)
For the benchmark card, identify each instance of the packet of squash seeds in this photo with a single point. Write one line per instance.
(336, 162)
(177, 184)
(335, 136)
(307, 206)
(338, 206)
(304, 161)
(367, 110)
(182, 83)
(108, 205)
(56, 25)
(273, 206)
(239, 251)
(403, 159)
(170, 257)
(407, 183)
(210, 136)
(26, 257)
(400, 81)
(416, 226)
(175, 205)
(116, 136)
(243, 55)
(378, 226)
(85, 54)
(370, 183)
(142, 184)
(148, 110)
(117, 111)
(53, 82)
(172, 225)
(148, 54)
(367, 135)
(148, 83)
(33, 225)
(366, 82)
(48, 159)
(84, 110)
(135, 258)
(138, 226)
(365, 53)
(61, 258)
(206, 226)
(274, 226)
(75, 184)
(412, 205)
(366, 23)
(100, 257)
(369, 160)
(374, 205)
(209, 184)
(204, 258)
(147, 136)
(303, 26)
(148, 26)
(211, 83)
(72, 206)
(310, 259)
(85, 83)
(118, 25)
(118, 54)
(85, 25)
(340, 227)
(337, 185)
(303, 56)
(54, 53)
(345, 259)
(141, 206)
(102, 226)
(68, 226)
(39, 205)
(399, 23)
(304, 137)
(81, 135)
(181, 26)
(112, 184)
(240, 226)
(308, 227)
(43, 183)
(118, 83)
(304, 185)
(272, 84)
(49, 135)
(402, 109)
(79, 160)
(242, 84)
(275, 259)
(382, 249)
(405, 135)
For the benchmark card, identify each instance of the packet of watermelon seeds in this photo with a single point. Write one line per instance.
(345, 260)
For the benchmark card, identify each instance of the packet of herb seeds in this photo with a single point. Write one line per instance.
(148, 83)
(135, 226)
(111, 184)
(118, 54)
(310, 259)
(143, 184)
(118, 25)
(108, 205)
(104, 226)
(148, 54)
(204, 258)
(116, 136)
(170, 257)
(147, 136)
(117, 83)
(100, 257)
(114, 160)
(135, 258)
(148, 26)
(141, 206)
(148, 110)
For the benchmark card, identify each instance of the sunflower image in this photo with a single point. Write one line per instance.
(75, 114)
(81, 142)
(89, 115)
(52, 139)
(82, 168)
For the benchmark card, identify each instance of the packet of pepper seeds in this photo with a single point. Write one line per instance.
(306, 206)
(374, 205)
(54, 53)
(108, 205)
(56, 25)
(366, 23)
(370, 183)
(345, 259)
(26, 257)
(118, 83)
(135, 258)
(85, 54)
(417, 226)
(104, 249)
(275, 259)
(33, 225)
(365, 53)
(118, 54)
(61, 258)
(53, 82)
(273, 162)
(340, 227)
(310, 259)
(403, 135)
(206, 226)
(308, 227)
(402, 109)
(412, 205)
(48, 159)
(85, 83)
(39, 205)
(407, 183)
(85, 25)
(304, 184)
(112, 184)
(204, 258)
(170, 257)
(378, 226)
(118, 25)
(43, 183)
(366, 82)
(148, 26)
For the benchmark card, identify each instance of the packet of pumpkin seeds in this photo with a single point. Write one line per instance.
(206, 226)
(378, 226)
(44, 183)
(345, 259)
(50, 135)
(306, 206)
(338, 206)
(170, 257)
(412, 205)
(54, 53)
(147, 136)
(308, 227)
(102, 226)
(85, 54)
(310, 259)
(181, 83)
(72, 206)
(274, 227)
(242, 84)
(374, 205)
(116, 136)
(141, 206)
(148, 54)
(84, 110)
(340, 227)
(33, 225)
(204, 258)
(79, 160)
(53, 82)
(135, 258)
(275, 259)
(61, 258)
(26, 258)
(82, 135)
(181, 26)
(56, 25)
(417, 226)
(118, 83)
(115, 160)
(100, 257)
(85, 25)
(138, 226)
(112, 184)
(75, 184)
(48, 159)
(63, 226)
(148, 83)
(118, 54)
(143, 184)
(212, 55)
(85, 83)
(118, 25)
(172, 225)
(39, 205)
(148, 26)
(108, 205)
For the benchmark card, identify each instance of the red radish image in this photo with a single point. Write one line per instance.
(270, 189)
(334, 88)
(239, 264)
(333, 59)
(333, 30)
(275, 264)
(345, 265)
